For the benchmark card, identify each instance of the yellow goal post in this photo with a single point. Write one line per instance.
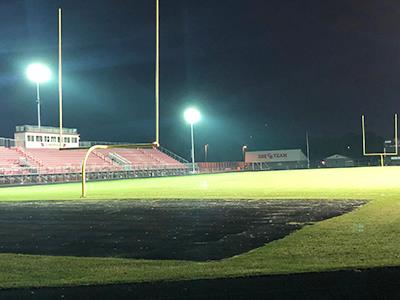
(95, 147)
(383, 154)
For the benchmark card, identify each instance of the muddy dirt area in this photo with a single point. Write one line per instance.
(156, 229)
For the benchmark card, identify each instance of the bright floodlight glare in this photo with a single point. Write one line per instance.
(192, 115)
(38, 73)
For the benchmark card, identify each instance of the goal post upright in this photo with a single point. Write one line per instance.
(384, 153)
(95, 147)
(156, 143)
(60, 94)
(157, 73)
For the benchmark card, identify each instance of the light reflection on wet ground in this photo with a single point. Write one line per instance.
(156, 229)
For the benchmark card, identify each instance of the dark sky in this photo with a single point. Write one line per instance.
(261, 72)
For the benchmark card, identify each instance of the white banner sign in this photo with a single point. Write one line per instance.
(275, 156)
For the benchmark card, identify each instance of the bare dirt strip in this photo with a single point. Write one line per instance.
(197, 230)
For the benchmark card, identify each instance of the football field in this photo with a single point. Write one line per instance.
(366, 237)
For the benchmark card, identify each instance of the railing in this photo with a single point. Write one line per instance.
(118, 159)
(201, 167)
(216, 167)
(28, 156)
(21, 176)
(103, 157)
(88, 144)
(90, 168)
(173, 155)
(31, 175)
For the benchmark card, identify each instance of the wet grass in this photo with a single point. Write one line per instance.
(367, 237)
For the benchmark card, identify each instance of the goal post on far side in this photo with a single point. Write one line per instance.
(380, 154)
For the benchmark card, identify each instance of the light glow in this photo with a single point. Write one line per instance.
(192, 115)
(38, 73)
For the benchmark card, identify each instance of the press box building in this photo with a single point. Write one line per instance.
(45, 137)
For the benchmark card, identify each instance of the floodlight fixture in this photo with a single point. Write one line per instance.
(38, 73)
(192, 115)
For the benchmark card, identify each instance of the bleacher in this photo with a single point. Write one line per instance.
(143, 158)
(11, 161)
(20, 161)
(53, 160)
(161, 157)
(34, 157)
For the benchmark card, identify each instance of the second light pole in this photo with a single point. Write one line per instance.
(192, 116)
(38, 73)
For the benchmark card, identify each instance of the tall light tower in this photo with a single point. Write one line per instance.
(192, 116)
(38, 74)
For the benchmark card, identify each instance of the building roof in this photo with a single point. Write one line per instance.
(44, 129)
(337, 156)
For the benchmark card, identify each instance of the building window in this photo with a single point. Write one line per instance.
(66, 139)
(74, 140)
(58, 139)
(31, 138)
(53, 139)
(47, 139)
(39, 138)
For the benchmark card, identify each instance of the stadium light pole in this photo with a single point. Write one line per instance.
(38, 73)
(308, 151)
(244, 148)
(205, 152)
(192, 116)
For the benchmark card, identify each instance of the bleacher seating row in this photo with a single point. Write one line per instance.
(23, 161)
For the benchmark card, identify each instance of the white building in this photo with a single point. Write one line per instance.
(338, 161)
(30, 136)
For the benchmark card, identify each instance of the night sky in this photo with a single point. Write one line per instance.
(261, 72)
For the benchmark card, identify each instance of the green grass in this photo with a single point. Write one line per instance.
(367, 237)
